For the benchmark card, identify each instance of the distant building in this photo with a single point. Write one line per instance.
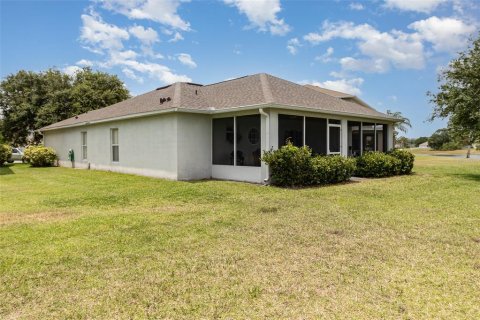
(424, 145)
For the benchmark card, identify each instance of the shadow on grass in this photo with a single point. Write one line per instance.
(468, 176)
(6, 170)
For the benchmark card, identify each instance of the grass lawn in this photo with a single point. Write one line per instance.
(91, 244)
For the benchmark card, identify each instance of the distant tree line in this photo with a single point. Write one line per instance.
(458, 99)
(31, 100)
(442, 139)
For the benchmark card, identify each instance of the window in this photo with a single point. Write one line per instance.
(384, 142)
(379, 138)
(354, 139)
(236, 138)
(115, 146)
(222, 140)
(316, 135)
(290, 128)
(368, 139)
(14, 150)
(248, 140)
(334, 138)
(84, 145)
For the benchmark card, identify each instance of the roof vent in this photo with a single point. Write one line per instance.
(76, 117)
(162, 100)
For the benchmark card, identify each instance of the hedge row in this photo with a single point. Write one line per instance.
(378, 164)
(295, 166)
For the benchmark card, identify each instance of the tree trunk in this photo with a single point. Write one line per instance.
(468, 151)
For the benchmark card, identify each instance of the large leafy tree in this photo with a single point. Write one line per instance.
(31, 100)
(458, 97)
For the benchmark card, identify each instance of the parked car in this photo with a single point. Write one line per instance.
(17, 155)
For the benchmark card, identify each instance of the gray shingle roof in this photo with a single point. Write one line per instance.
(330, 92)
(259, 89)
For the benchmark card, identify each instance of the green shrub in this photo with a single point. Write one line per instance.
(451, 145)
(5, 153)
(289, 165)
(331, 169)
(39, 156)
(377, 164)
(406, 160)
(295, 166)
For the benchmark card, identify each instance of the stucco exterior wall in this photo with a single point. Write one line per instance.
(194, 146)
(173, 145)
(147, 146)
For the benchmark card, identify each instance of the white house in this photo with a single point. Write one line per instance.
(188, 131)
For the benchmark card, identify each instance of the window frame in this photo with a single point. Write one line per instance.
(334, 125)
(235, 140)
(84, 145)
(112, 145)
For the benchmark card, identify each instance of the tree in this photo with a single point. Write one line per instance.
(458, 98)
(2, 140)
(31, 100)
(401, 125)
(441, 138)
(420, 140)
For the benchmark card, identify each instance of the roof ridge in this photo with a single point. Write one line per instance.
(267, 91)
(227, 80)
(177, 95)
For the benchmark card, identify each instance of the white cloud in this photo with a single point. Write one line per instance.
(187, 60)
(350, 86)
(425, 6)
(292, 46)
(123, 55)
(366, 65)
(131, 75)
(102, 36)
(84, 63)
(337, 74)
(164, 12)
(109, 40)
(147, 36)
(356, 6)
(176, 37)
(262, 14)
(445, 34)
(402, 50)
(71, 70)
(148, 51)
(154, 71)
(327, 56)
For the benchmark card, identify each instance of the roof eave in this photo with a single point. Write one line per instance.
(219, 111)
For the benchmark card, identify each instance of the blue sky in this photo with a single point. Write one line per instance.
(387, 52)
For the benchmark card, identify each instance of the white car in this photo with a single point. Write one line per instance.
(17, 155)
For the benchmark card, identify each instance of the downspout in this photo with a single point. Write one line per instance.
(267, 139)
